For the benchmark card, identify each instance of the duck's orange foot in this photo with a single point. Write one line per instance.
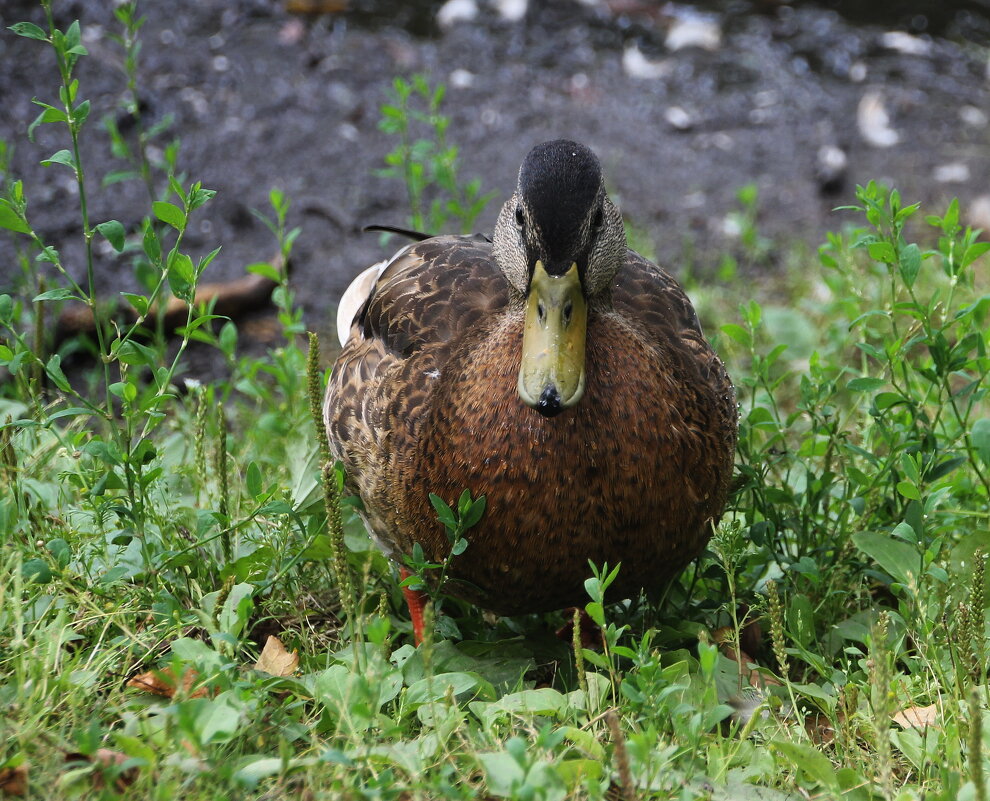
(416, 601)
(591, 634)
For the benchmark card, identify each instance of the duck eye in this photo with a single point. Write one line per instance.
(599, 219)
(520, 219)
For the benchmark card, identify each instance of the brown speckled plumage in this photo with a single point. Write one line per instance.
(423, 399)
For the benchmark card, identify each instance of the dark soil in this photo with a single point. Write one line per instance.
(262, 97)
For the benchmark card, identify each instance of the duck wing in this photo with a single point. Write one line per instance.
(432, 293)
(419, 307)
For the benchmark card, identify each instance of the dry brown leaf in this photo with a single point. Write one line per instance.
(13, 781)
(165, 684)
(275, 659)
(106, 758)
(917, 717)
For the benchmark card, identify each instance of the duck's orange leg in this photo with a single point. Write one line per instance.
(416, 601)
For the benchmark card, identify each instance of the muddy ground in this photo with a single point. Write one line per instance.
(264, 97)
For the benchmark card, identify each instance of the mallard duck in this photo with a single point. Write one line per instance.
(552, 370)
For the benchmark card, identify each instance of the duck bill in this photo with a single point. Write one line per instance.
(551, 373)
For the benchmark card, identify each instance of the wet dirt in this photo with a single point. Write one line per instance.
(264, 98)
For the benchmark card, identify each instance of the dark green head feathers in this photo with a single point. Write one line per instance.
(560, 216)
(561, 191)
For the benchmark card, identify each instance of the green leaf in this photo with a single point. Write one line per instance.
(15, 364)
(134, 353)
(973, 252)
(53, 294)
(151, 245)
(118, 176)
(73, 36)
(473, 514)
(909, 490)
(81, 112)
(503, 774)
(253, 772)
(6, 308)
(813, 762)
(444, 513)
(435, 688)
(228, 338)
(37, 571)
(50, 114)
(910, 264)
(218, 720)
(204, 261)
(237, 609)
(865, 384)
(881, 251)
(265, 269)
(29, 30)
(124, 390)
(544, 702)
(61, 157)
(275, 508)
(979, 435)
(199, 322)
(199, 196)
(138, 302)
(585, 740)
(899, 559)
(181, 275)
(253, 480)
(60, 549)
(903, 531)
(114, 233)
(886, 400)
(54, 371)
(739, 334)
(106, 452)
(11, 220)
(169, 213)
(74, 411)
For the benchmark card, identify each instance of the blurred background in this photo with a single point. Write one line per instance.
(713, 121)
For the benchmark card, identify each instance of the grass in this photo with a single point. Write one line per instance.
(831, 643)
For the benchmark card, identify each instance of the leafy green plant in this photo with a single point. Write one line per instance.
(863, 466)
(754, 249)
(424, 160)
(135, 378)
(456, 522)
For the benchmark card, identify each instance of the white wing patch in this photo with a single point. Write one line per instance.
(357, 293)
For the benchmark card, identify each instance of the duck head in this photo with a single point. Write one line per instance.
(559, 241)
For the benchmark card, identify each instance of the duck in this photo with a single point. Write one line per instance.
(550, 369)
